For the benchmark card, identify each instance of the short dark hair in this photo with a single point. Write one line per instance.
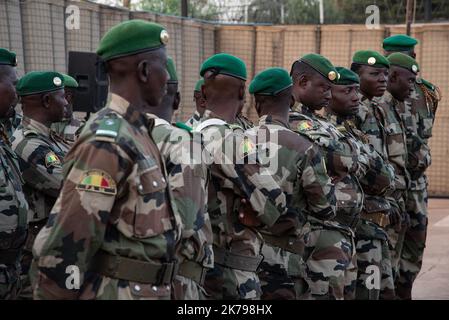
(300, 68)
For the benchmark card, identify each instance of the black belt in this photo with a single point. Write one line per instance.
(236, 261)
(124, 268)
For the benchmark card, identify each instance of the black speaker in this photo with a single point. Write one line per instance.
(87, 69)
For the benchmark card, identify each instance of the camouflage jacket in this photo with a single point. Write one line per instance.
(194, 120)
(244, 122)
(188, 181)
(41, 154)
(379, 178)
(13, 205)
(68, 129)
(345, 161)
(396, 139)
(236, 174)
(418, 116)
(11, 124)
(370, 119)
(298, 167)
(115, 200)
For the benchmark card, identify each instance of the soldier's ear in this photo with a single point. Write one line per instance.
(302, 80)
(176, 101)
(143, 71)
(46, 100)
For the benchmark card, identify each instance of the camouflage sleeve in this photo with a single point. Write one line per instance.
(41, 167)
(316, 184)
(251, 178)
(379, 178)
(77, 223)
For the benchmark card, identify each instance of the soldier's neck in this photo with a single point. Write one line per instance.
(226, 111)
(369, 97)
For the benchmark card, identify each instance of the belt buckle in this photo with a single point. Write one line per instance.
(203, 275)
(171, 267)
(258, 266)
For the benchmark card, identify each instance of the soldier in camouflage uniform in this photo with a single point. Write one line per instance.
(378, 176)
(372, 240)
(242, 195)
(40, 150)
(403, 70)
(188, 181)
(195, 119)
(330, 249)
(113, 221)
(418, 117)
(13, 206)
(298, 167)
(70, 127)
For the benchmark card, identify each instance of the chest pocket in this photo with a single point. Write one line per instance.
(152, 215)
(426, 127)
(395, 140)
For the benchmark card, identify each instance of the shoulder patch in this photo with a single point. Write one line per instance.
(305, 125)
(428, 84)
(246, 146)
(108, 127)
(52, 160)
(97, 181)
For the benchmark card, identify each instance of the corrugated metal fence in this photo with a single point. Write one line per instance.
(35, 29)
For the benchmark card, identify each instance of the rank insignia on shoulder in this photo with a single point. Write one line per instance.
(305, 125)
(52, 160)
(97, 181)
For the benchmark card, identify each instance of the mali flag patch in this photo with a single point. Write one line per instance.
(97, 181)
(52, 160)
(305, 125)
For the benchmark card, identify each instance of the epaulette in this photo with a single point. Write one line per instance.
(29, 132)
(234, 126)
(182, 125)
(426, 83)
(342, 129)
(108, 129)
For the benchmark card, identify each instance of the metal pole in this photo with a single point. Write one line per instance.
(428, 10)
(321, 12)
(184, 8)
(409, 16)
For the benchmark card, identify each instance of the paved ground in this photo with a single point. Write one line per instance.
(433, 281)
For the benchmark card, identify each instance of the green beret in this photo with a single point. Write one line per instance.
(370, 58)
(322, 65)
(404, 61)
(70, 82)
(399, 42)
(132, 37)
(198, 85)
(270, 82)
(226, 64)
(36, 82)
(172, 71)
(347, 76)
(8, 58)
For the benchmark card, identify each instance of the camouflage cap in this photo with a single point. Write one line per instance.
(404, 61)
(226, 64)
(370, 58)
(70, 82)
(399, 42)
(171, 71)
(321, 65)
(198, 85)
(270, 82)
(8, 57)
(132, 37)
(36, 82)
(347, 76)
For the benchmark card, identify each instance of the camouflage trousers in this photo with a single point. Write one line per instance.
(375, 275)
(223, 283)
(276, 284)
(414, 243)
(396, 236)
(329, 257)
(10, 283)
(187, 289)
